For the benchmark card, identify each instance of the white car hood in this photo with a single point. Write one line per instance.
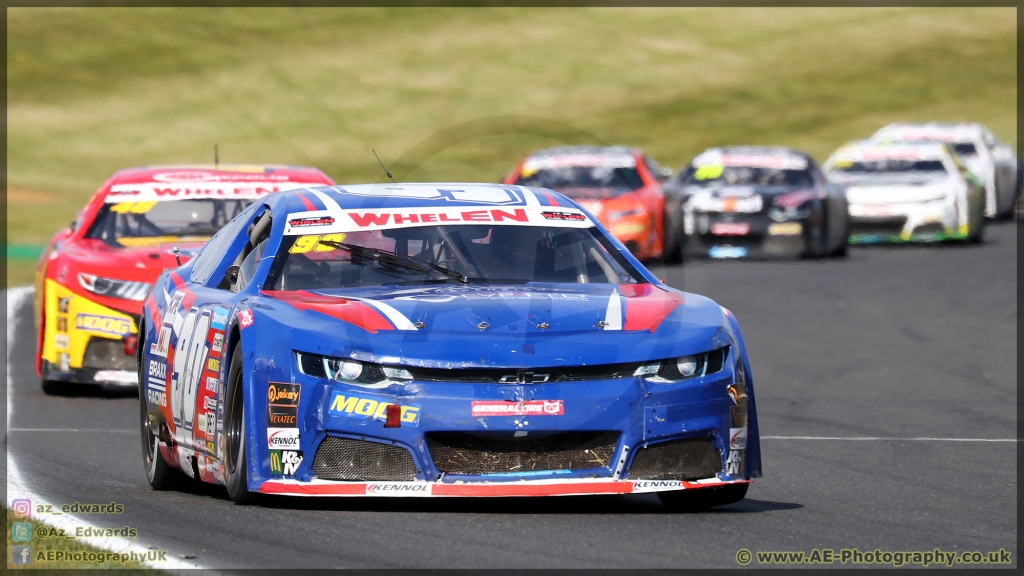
(900, 193)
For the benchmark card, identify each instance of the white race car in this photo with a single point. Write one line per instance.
(908, 192)
(991, 160)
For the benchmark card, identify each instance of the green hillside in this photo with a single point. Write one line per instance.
(462, 94)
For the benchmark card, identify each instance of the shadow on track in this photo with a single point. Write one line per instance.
(71, 390)
(576, 505)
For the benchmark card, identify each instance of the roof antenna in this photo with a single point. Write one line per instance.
(382, 166)
(216, 157)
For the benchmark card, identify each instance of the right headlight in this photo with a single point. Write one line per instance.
(112, 288)
(348, 371)
(684, 367)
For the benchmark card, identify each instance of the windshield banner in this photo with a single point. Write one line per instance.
(164, 191)
(324, 221)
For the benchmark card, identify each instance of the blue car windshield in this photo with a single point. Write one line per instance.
(441, 254)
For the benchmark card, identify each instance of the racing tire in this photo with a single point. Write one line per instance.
(160, 474)
(236, 467)
(843, 250)
(693, 500)
(672, 246)
(976, 235)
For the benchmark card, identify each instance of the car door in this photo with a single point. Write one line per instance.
(199, 313)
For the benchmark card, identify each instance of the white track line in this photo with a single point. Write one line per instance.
(889, 439)
(18, 487)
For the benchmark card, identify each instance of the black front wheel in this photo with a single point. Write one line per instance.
(692, 500)
(236, 469)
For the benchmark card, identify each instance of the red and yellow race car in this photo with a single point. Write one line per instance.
(620, 186)
(94, 275)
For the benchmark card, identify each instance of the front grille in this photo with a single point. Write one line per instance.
(746, 241)
(689, 459)
(106, 354)
(347, 459)
(532, 375)
(503, 453)
(887, 227)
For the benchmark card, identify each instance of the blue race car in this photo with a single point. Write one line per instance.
(439, 340)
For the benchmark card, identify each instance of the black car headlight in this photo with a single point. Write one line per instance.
(124, 289)
(684, 367)
(348, 371)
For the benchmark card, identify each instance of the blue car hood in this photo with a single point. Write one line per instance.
(514, 326)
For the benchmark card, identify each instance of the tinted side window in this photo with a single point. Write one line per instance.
(211, 254)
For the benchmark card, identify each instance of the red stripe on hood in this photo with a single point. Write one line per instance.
(647, 306)
(179, 284)
(154, 313)
(352, 311)
(305, 201)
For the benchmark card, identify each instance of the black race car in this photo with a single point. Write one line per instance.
(748, 201)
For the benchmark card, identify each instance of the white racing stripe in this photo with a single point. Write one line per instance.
(329, 202)
(888, 439)
(613, 315)
(19, 487)
(396, 317)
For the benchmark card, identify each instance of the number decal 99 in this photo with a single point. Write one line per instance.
(310, 242)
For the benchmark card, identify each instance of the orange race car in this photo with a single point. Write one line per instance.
(620, 186)
(94, 275)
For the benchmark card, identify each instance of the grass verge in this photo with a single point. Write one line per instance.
(93, 90)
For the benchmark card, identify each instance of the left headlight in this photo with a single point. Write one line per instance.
(620, 214)
(348, 371)
(123, 289)
(684, 367)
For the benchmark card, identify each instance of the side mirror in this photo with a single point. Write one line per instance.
(232, 274)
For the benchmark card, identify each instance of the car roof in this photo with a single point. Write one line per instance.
(578, 150)
(197, 173)
(948, 131)
(757, 150)
(415, 195)
(921, 151)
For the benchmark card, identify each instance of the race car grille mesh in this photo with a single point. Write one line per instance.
(106, 354)
(347, 459)
(532, 376)
(690, 459)
(503, 453)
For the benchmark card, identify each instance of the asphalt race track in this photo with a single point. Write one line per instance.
(888, 344)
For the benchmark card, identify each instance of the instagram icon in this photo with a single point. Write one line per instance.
(21, 508)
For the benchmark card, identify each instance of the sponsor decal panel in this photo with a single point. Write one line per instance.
(245, 318)
(282, 405)
(656, 485)
(290, 462)
(211, 384)
(734, 464)
(220, 318)
(218, 342)
(163, 340)
(785, 229)
(312, 221)
(730, 228)
(737, 438)
(527, 408)
(398, 489)
(283, 438)
(572, 216)
(372, 408)
(60, 341)
(103, 324)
